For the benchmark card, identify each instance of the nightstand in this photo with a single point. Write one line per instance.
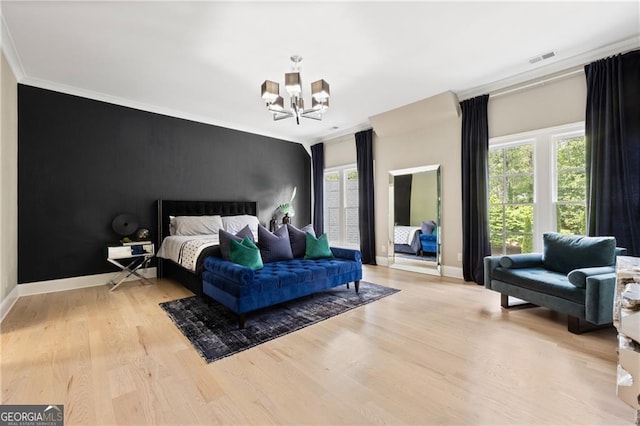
(130, 258)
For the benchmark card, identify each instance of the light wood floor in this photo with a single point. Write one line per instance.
(438, 352)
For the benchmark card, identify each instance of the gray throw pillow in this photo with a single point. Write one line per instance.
(274, 246)
(427, 227)
(564, 253)
(298, 239)
(226, 237)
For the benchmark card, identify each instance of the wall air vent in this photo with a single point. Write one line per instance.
(542, 57)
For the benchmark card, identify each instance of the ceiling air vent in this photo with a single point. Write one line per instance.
(542, 57)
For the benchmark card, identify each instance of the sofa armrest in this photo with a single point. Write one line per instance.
(621, 251)
(599, 295)
(490, 263)
(578, 277)
(349, 254)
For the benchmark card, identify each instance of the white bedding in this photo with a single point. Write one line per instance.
(404, 234)
(184, 250)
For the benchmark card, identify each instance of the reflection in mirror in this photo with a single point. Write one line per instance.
(414, 219)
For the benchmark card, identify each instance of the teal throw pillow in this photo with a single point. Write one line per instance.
(317, 248)
(245, 253)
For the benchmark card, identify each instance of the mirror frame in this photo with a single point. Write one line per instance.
(431, 268)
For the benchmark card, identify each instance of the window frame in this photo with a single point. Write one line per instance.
(544, 172)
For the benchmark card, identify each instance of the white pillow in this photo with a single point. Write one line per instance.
(233, 224)
(195, 225)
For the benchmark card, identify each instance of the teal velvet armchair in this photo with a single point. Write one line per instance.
(574, 275)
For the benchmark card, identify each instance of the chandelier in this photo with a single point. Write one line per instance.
(293, 85)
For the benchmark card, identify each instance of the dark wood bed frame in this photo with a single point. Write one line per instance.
(171, 270)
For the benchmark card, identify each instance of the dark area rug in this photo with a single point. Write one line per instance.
(213, 329)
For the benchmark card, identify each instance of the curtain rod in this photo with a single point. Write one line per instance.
(524, 86)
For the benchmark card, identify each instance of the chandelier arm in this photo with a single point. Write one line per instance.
(281, 115)
(312, 117)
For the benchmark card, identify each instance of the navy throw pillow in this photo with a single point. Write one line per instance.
(274, 246)
(298, 239)
(226, 237)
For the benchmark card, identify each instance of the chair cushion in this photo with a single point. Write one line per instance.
(564, 253)
(543, 281)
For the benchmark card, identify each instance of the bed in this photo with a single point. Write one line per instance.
(406, 239)
(166, 268)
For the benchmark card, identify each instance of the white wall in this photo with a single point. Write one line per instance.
(8, 180)
(553, 104)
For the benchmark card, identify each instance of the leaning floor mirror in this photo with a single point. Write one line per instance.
(414, 219)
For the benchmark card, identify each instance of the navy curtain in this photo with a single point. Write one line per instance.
(612, 131)
(317, 165)
(366, 209)
(475, 200)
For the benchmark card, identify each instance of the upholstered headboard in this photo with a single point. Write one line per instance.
(168, 208)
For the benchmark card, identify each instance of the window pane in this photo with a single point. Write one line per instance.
(496, 244)
(352, 189)
(496, 161)
(496, 190)
(572, 219)
(352, 235)
(518, 243)
(519, 159)
(572, 186)
(496, 219)
(520, 189)
(518, 218)
(332, 224)
(570, 153)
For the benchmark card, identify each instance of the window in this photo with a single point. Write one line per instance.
(511, 177)
(341, 206)
(571, 185)
(537, 184)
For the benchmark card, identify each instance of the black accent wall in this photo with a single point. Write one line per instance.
(82, 162)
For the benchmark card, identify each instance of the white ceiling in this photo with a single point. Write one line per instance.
(206, 60)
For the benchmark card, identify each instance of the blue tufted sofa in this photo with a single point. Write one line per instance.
(574, 275)
(243, 290)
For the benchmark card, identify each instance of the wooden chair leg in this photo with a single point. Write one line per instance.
(357, 285)
(504, 300)
(241, 320)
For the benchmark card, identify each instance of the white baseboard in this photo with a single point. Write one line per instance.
(73, 283)
(382, 260)
(452, 272)
(63, 284)
(8, 302)
(447, 271)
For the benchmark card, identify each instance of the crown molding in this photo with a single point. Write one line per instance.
(559, 66)
(9, 50)
(364, 125)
